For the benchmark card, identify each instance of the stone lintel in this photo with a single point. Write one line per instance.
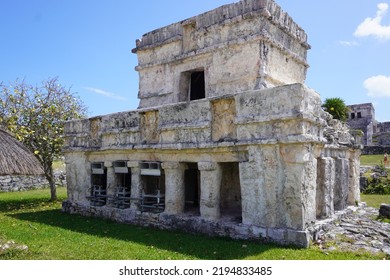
(133, 164)
(207, 166)
(172, 165)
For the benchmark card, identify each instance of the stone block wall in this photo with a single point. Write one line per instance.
(383, 127)
(381, 139)
(218, 43)
(239, 146)
(282, 114)
(272, 141)
(375, 150)
(362, 117)
(14, 183)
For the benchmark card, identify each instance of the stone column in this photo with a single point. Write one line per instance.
(210, 185)
(78, 177)
(111, 178)
(278, 186)
(354, 178)
(136, 185)
(342, 184)
(174, 187)
(253, 194)
(325, 185)
(298, 195)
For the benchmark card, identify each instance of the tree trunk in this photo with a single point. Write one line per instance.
(53, 189)
(50, 178)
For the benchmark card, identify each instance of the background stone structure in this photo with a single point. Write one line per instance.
(13, 183)
(227, 140)
(362, 117)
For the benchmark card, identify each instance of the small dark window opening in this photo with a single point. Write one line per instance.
(153, 183)
(98, 193)
(359, 115)
(192, 189)
(122, 183)
(352, 115)
(197, 88)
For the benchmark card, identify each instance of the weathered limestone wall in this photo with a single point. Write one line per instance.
(279, 183)
(78, 178)
(219, 43)
(271, 139)
(283, 114)
(264, 159)
(338, 175)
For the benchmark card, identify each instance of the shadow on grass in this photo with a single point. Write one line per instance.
(14, 205)
(197, 246)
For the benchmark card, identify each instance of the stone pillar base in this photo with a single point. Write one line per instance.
(210, 184)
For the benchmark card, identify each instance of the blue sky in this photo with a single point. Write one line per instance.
(87, 44)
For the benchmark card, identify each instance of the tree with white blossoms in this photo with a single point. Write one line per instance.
(35, 115)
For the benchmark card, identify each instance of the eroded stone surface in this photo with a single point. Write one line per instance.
(240, 147)
(356, 229)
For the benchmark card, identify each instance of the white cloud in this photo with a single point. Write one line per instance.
(106, 93)
(374, 26)
(378, 86)
(349, 43)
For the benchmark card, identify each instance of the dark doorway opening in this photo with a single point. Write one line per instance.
(231, 204)
(192, 189)
(197, 86)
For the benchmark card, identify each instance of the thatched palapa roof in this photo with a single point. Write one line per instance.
(15, 158)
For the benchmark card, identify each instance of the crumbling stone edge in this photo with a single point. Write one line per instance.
(192, 224)
(222, 228)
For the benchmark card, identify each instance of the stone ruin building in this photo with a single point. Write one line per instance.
(227, 140)
(362, 117)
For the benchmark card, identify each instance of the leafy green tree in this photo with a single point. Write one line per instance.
(35, 115)
(337, 108)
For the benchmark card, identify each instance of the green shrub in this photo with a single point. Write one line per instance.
(378, 186)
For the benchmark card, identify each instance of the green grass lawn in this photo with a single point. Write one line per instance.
(375, 200)
(371, 160)
(28, 218)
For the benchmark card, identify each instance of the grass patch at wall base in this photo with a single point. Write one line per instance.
(29, 219)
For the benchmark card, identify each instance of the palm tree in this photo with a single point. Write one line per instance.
(336, 107)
